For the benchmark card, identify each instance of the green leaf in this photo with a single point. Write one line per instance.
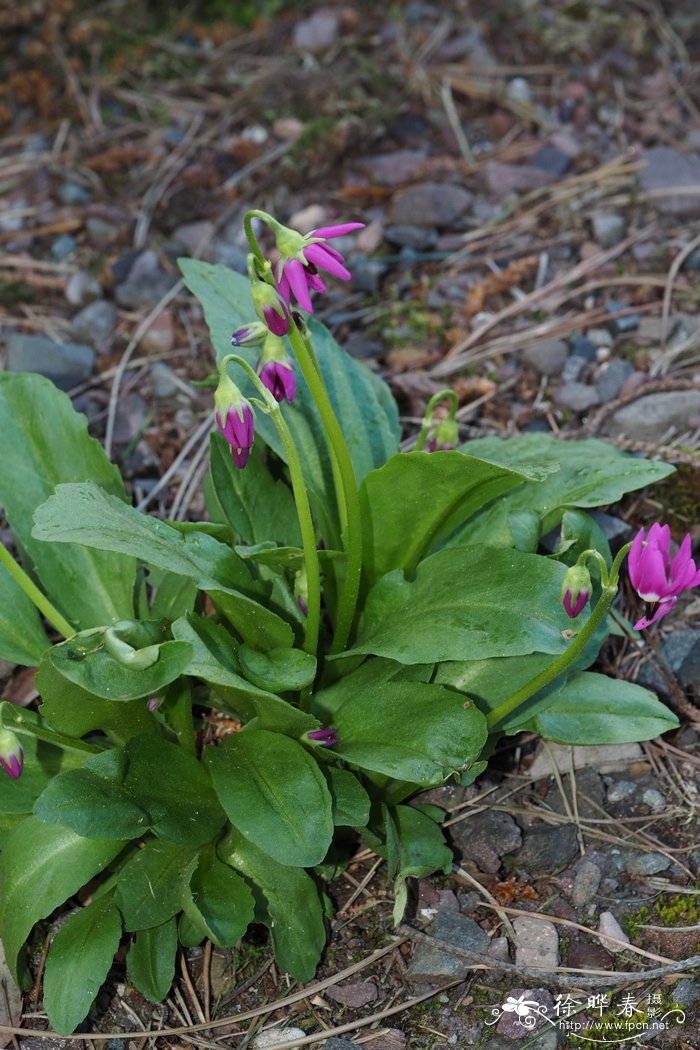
(174, 789)
(275, 794)
(292, 905)
(594, 709)
(363, 403)
(257, 507)
(350, 800)
(415, 848)
(414, 498)
(150, 961)
(591, 474)
(22, 638)
(97, 672)
(222, 903)
(74, 711)
(466, 601)
(94, 806)
(278, 670)
(41, 866)
(409, 730)
(153, 884)
(42, 762)
(78, 962)
(45, 442)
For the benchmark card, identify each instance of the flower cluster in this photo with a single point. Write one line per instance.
(658, 578)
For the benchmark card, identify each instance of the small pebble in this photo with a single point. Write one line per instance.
(621, 790)
(586, 883)
(609, 228)
(599, 337)
(518, 90)
(274, 1036)
(646, 863)
(654, 800)
(73, 193)
(579, 397)
(537, 943)
(63, 246)
(608, 926)
(82, 288)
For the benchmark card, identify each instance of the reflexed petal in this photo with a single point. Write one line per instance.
(661, 610)
(337, 231)
(315, 282)
(317, 254)
(634, 558)
(295, 274)
(652, 575)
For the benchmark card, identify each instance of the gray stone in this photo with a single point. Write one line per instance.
(573, 369)
(650, 417)
(609, 228)
(612, 377)
(429, 963)
(191, 234)
(396, 168)
(367, 273)
(82, 288)
(586, 883)
(545, 1039)
(537, 943)
(407, 236)
(588, 783)
(272, 1037)
(692, 262)
(626, 323)
(599, 337)
(503, 179)
(485, 837)
(63, 246)
(65, 364)
(667, 169)
(100, 232)
(646, 863)
(73, 193)
(584, 347)
(318, 32)
(654, 800)
(430, 204)
(96, 324)
(621, 790)
(164, 380)
(146, 283)
(554, 161)
(547, 849)
(608, 926)
(579, 397)
(548, 356)
(230, 255)
(355, 994)
(518, 90)
(682, 652)
(335, 1043)
(130, 418)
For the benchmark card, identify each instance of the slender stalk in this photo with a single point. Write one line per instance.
(48, 611)
(13, 717)
(301, 499)
(519, 697)
(346, 491)
(442, 395)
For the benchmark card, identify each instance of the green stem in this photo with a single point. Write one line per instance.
(346, 489)
(519, 697)
(301, 499)
(441, 395)
(50, 613)
(20, 721)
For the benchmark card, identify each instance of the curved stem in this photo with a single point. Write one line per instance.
(20, 721)
(49, 611)
(346, 489)
(301, 499)
(441, 395)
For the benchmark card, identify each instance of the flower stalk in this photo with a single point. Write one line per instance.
(45, 607)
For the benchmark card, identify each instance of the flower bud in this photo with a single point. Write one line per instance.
(11, 754)
(576, 589)
(276, 370)
(250, 334)
(325, 737)
(234, 418)
(270, 306)
(445, 436)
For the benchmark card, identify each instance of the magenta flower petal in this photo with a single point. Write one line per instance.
(295, 274)
(654, 613)
(280, 380)
(317, 254)
(277, 323)
(315, 282)
(337, 231)
(656, 577)
(11, 754)
(281, 282)
(238, 428)
(574, 607)
(325, 737)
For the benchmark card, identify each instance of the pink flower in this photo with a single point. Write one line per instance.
(276, 370)
(302, 256)
(234, 418)
(575, 590)
(11, 754)
(270, 307)
(657, 578)
(325, 737)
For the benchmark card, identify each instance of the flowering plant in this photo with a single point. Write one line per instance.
(370, 621)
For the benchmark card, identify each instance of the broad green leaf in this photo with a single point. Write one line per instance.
(257, 507)
(74, 711)
(415, 848)
(368, 677)
(45, 443)
(175, 595)
(591, 474)
(41, 866)
(292, 905)
(150, 961)
(91, 805)
(42, 762)
(78, 962)
(415, 497)
(87, 515)
(363, 403)
(470, 602)
(222, 903)
(278, 670)
(174, 789)
(594, 709)
(22, 638)
(412, 731)
(275, 794)
(153, 883)
(350, 800)
(97, 672)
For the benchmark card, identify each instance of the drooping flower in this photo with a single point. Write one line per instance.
(444, 437)
(269, 305)
(234, 418)
(325, 737)
(11, 754)
(276, 370)
(303, 255)
(250, 334)
(575, 590)
(658, 578)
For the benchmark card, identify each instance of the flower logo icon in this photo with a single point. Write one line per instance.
(521, 1006)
